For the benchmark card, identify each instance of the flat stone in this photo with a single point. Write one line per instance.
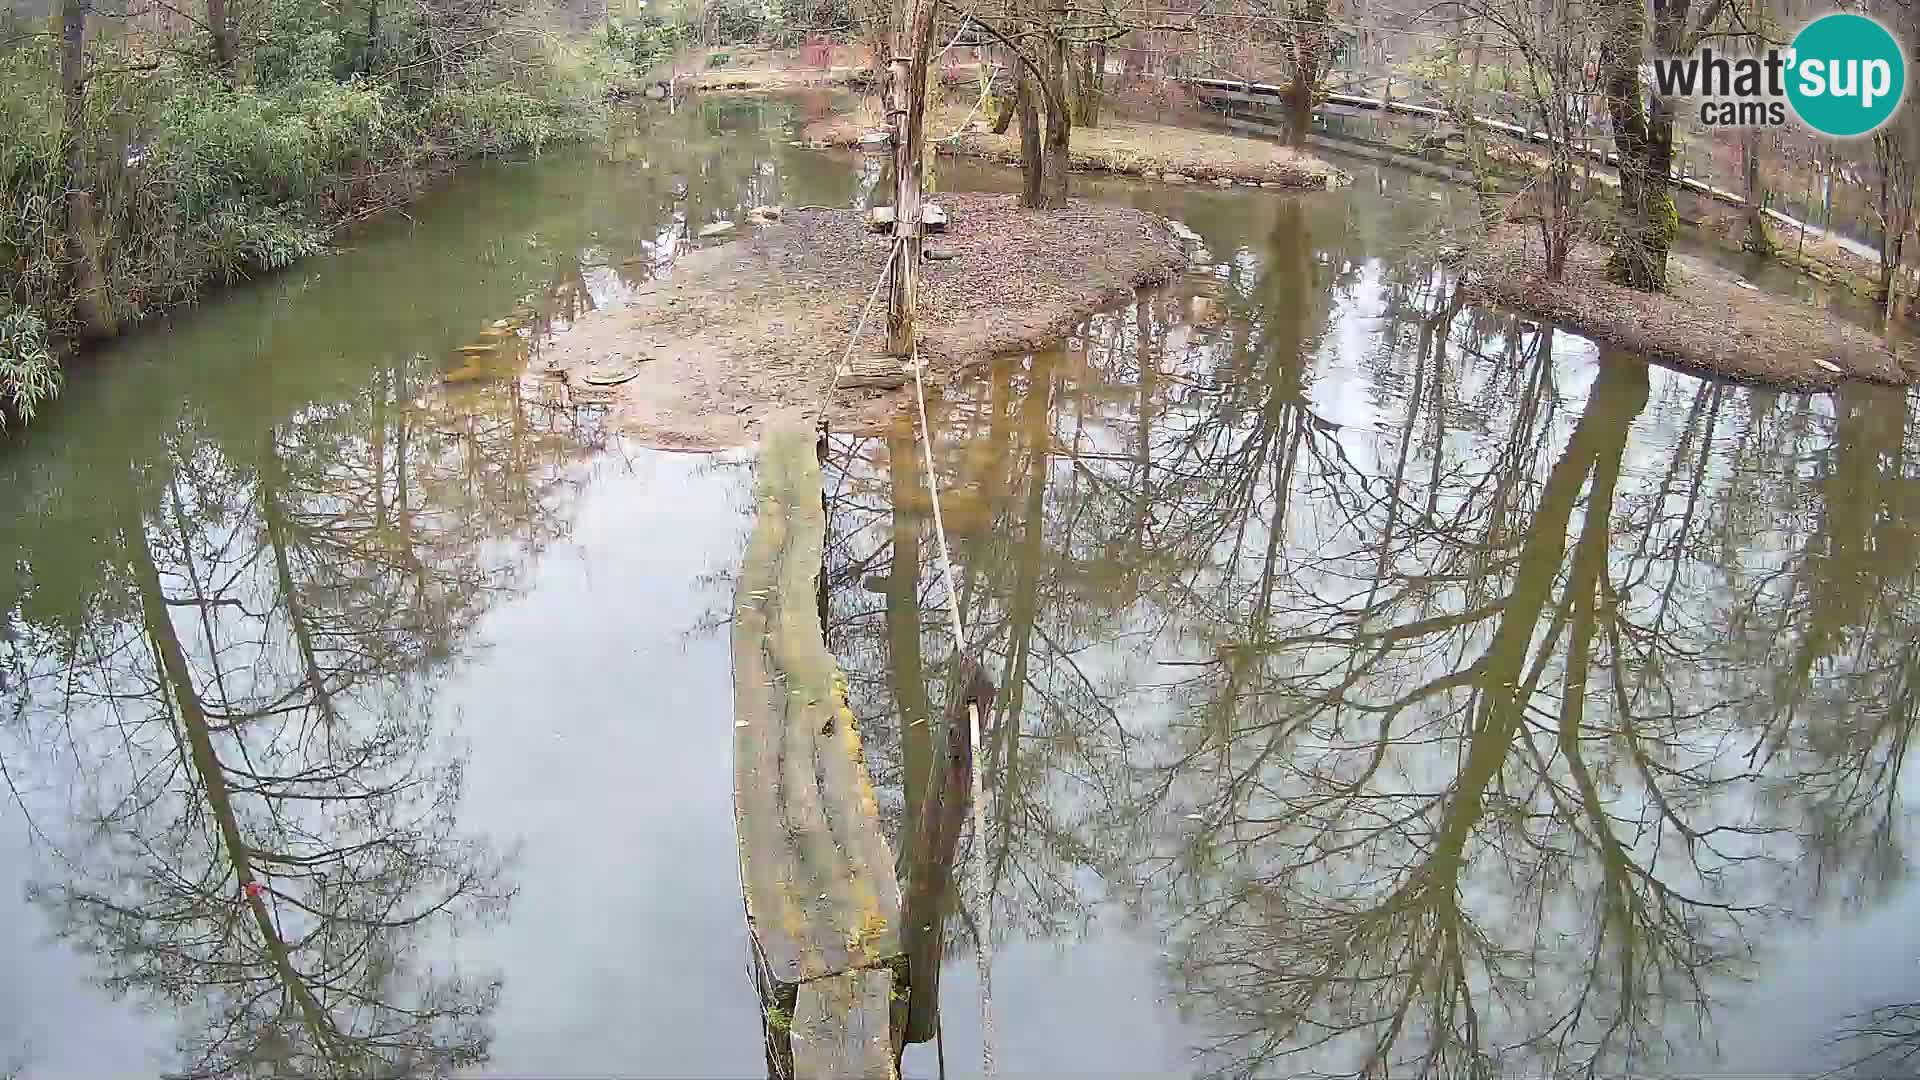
(718, 228)
(1176, 178)
(1271, 184)
(611, 371)
(881, 372)
(1224, 181)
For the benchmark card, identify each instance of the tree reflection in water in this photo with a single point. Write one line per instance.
(1460, 703)
(238, 720)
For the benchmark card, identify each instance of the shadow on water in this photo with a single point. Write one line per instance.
(1386, 683)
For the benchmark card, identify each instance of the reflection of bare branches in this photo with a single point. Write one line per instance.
(1882, 1042)
(1443, 745)
(269, 837)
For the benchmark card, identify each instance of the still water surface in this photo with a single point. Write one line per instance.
(1389, 684)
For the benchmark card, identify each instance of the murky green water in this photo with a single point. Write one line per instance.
(1388, 684)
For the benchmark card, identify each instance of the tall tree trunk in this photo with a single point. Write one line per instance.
(1644, 142)
(81, 235)
(1096, 83)
(1892, 150)
(1757, 240)
(373, 35)
(1031, 187)
(1053, 170)
(225, 50)
(1003, 117)
(1309, 47)
(1086, 87)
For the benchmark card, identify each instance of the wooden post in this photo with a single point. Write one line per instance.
(906, 108)
(932, 839)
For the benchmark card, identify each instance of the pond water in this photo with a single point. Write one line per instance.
(1389, 684)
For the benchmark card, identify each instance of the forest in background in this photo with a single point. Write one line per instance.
(154, 147)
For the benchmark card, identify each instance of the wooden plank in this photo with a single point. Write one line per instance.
(815, 869)
(840, 1027)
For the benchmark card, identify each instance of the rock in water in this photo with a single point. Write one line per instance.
(875, 140)
(766, 213)
(718, 228)
(1177, 178)
(1223, 181)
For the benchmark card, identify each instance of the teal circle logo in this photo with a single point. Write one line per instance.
(1847, 75)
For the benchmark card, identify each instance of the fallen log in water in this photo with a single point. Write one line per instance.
(823, 907)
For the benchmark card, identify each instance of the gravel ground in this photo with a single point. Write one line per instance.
(1117, 146)
(761, 322)
(1705, 322)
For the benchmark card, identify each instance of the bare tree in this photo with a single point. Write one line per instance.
(1553, 39)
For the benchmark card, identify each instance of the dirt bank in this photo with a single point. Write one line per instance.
(770, 80)
(1152, 151)
(760, 322)
(1706, 322)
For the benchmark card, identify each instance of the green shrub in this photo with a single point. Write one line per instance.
(196, 181)
(490, 121)
(306, 44)
(28, 373)
(32, 176)
(642, 42)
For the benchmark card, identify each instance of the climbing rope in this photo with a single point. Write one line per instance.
(860, 324)
(983, 923)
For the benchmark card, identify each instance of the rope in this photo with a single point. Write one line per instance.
(859, 325)
(984, 923)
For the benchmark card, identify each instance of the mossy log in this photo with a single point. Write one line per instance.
(822, 902)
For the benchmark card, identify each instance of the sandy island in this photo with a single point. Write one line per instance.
(760, 322)
(1706, 322)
